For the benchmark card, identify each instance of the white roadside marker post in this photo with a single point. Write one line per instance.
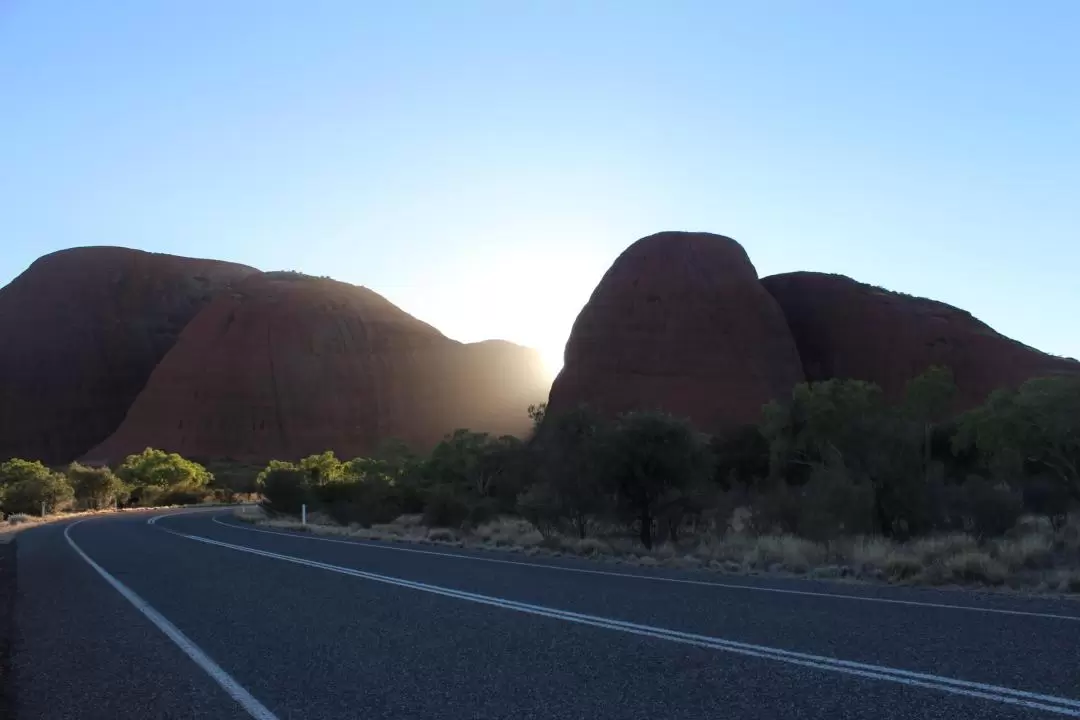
(303, 514)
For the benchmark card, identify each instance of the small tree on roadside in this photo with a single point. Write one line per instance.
(15, 470)
(927, 401)
(1036, 427)
(95, 488)
(569, 452)
(649, 458)
(161, 469)
(50, 492)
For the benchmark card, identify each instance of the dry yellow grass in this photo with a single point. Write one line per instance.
(953, 559)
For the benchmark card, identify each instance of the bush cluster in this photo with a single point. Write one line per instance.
(834, 460)
(146, 479)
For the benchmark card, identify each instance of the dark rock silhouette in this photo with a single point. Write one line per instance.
(847, 329)
(287, 365)
(83, 328)
(679, 323)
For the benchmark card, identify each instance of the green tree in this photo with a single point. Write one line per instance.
(17, 470)
(30, 494)
(649, 458)
(569, 456)
(1032, 430)
(285, 487)
(927, 402)
(847, 427)
(95, 488)
(161, 469)
(323, 468)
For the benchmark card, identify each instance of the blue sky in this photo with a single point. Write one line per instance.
(482, 163)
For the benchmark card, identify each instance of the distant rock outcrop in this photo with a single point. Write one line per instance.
(679, 323)
(847, 329)
(82, 330)
(287, 365)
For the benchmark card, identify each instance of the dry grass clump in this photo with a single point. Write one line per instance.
(509, 531)
(1026, 552)
(789, 552)
(1034, 554)
(968, 566)
(939, 547)
(441, 534)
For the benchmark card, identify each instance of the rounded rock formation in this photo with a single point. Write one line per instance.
(287, 365)
(83, 329)
(679, 323)
(847, 329)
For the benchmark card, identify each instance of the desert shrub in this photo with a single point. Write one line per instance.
(17, 470)
(238, 477)
(1027, 552)
(366, 501)
(790, 552)
(775, 509)
(162, 469)
(971, 566)
(95, 488)
(445, 509)
(983, 507)
(285, 488)
(832, 504)
(540, 506)
(740, 457)
(509, 531)
(569, 458)
(51, 491)
(648, 459)
(145, 496)
(183, 494)
(441, 534)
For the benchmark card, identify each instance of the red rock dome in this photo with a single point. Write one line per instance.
(679, 323)
(83, 329)
(847, 329)
(287, 365)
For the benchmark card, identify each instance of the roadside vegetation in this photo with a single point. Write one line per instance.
(31, 493)
(834, 482)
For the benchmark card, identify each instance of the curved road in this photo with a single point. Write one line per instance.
(193, 615)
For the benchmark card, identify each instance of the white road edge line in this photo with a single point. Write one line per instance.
(1050, 703)
(234, 689)
(656, 578)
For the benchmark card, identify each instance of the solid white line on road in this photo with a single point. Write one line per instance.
(1049, 703)
(188, 511)
(659, 578)
(234, 689)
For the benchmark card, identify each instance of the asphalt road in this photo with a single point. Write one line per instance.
(195, 616)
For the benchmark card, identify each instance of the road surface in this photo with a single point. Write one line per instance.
(195, 615)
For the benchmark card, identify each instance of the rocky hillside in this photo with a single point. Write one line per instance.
(679, 323)
(83, 329)
(286, 365)
(847, 329)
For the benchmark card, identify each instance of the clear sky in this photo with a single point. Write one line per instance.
(482, 163)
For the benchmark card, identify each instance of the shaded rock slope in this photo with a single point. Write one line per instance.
(287, 365)
(679, 323)
(847, 329)
(82, 331)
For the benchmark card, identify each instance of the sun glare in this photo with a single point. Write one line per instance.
(553, 359)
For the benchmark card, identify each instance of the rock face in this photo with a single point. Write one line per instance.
(82, 330)
(679, 323)
(287, 365)
(847, 329)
